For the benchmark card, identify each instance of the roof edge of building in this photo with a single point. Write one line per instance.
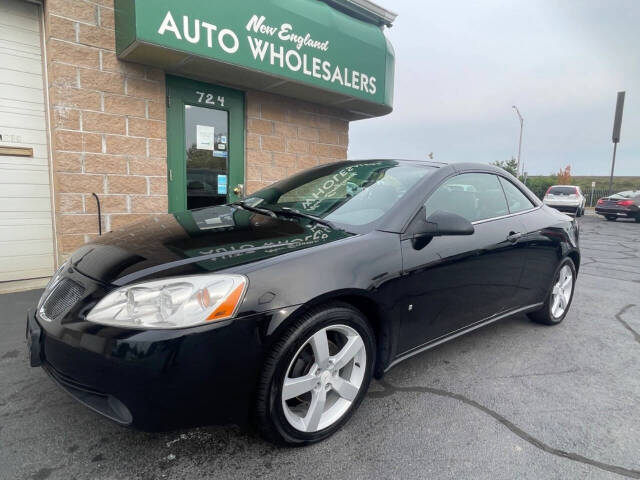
(365, 10)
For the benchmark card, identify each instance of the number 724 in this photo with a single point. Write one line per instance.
(207, 98)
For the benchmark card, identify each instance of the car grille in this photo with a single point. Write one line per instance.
(63, 296)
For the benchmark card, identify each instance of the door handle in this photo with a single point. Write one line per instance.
(239, 189)
(513, 237)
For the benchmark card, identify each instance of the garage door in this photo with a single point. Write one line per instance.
(26, 233)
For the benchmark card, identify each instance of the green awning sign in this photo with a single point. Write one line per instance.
(273, 45)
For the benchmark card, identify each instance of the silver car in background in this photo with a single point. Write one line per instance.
(566, 198)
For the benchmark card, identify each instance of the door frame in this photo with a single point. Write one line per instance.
(184, 91)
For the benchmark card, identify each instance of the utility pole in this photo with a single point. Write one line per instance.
(615, 137)
(520, 142)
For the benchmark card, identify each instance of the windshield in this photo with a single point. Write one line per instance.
(347, 193)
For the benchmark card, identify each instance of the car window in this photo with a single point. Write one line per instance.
(516, 200)
(625, 194)
(562, 191)
(474, 196)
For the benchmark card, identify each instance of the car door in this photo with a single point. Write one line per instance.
(455, 282)
(536, 245)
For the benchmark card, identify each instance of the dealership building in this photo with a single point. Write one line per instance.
(115, 111)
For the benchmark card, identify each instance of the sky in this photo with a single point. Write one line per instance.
(461, 65)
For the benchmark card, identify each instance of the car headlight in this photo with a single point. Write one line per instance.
(172, 303)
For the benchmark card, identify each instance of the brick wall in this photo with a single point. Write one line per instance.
(286, 135)
(108, 130)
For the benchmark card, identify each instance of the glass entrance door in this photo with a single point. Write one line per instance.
(205, 144)
(206, 139)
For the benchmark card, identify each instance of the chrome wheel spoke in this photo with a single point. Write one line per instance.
(350, 350)
(316, 409)
(345, 389)
(555, 305)
(561, 292)
(294, 387)
(320, 347)
(567, 297)
(562, 301)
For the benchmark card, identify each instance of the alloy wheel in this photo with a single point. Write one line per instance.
(324, 378)
(561, 293)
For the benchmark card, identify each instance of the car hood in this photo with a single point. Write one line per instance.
(205, 240)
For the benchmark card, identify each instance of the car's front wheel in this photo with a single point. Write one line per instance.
(315, 376)
(558, 301)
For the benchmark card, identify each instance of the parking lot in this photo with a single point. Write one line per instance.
(512, 400)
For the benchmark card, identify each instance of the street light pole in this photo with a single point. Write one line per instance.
(615, 137)
(520, 142)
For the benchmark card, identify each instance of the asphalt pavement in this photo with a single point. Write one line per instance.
(513, 400)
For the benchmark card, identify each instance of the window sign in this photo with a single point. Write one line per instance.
(205, 137)
(222, 184)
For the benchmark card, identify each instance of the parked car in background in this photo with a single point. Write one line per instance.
(624, 204)
(281, 307)
(566, 198)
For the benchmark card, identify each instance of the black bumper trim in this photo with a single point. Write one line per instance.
(99, 402)
(34, 340)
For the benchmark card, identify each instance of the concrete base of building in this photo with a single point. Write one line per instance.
(23, 285)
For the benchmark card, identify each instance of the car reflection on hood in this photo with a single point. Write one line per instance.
(205, 240)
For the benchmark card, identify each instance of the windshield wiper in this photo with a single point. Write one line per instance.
(286, 211)
(263, 211)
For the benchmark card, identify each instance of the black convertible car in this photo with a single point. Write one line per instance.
(279, 309)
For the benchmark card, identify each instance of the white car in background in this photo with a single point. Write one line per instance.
(566, 198)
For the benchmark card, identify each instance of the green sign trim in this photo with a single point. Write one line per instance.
(305, 41)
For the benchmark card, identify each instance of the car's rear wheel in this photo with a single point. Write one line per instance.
(315, 376)
(558, 301)
(611, 218)
(579, 212)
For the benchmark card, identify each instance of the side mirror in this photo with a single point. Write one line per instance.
(439, 224)
(448, 223)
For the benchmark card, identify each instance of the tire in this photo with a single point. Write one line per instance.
(637, 218)
(579, 212)
(548, 314)
(294, 355)
(611, 218)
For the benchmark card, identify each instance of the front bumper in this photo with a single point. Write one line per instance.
(153, 380)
